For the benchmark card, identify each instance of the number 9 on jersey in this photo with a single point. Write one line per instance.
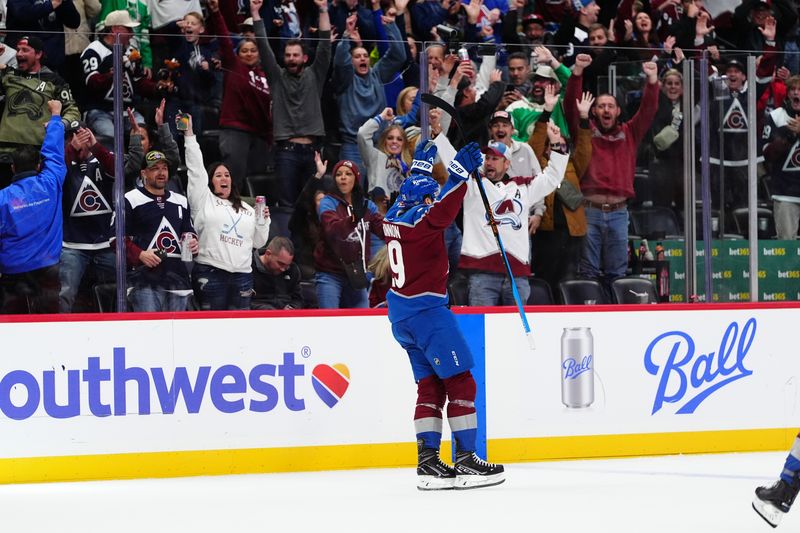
(395, 254)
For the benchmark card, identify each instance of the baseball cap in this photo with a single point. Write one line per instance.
(500, 115)
(497, 149)
(120, 17)
(33, 41)
(153, 158)
(543, 71)
(580, 4)
(74, 126)
(533, 18)
(246, 23)
(735, 63)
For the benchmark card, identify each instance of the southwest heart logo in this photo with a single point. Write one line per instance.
(330, 382)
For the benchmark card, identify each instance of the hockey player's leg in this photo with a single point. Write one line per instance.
(471, 471)
(772, 502)
(432, 473)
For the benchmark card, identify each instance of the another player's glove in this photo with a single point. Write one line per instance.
(467, 160)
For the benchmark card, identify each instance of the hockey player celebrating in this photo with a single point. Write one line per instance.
(424, 326)
(772, 502)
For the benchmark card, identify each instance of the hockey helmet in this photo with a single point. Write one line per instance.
(415, 188)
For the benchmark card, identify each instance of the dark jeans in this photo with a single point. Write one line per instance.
(154, 290)
(243, 154)
(334, 292)
(73, 266)
(218, 289)
(294, 166)
(34, 292)
(605, 247)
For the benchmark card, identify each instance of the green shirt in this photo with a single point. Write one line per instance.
(26, 97)
(525, 113)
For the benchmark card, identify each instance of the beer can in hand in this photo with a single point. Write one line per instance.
(260, 203)
(186, 251)
(577, 367)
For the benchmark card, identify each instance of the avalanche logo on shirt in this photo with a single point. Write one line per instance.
(792, 163)
(166, 239)
(507, 212)
(735, 120)
(90, 201)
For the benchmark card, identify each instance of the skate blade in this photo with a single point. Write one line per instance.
(771, 514)
(477, 482)
(434, 483)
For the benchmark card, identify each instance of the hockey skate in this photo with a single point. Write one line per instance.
(771, 503)
(473, 472)
(432, 473)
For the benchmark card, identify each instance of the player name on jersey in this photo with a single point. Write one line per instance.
(390, 230)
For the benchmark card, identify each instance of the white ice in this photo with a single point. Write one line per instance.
(684, 494)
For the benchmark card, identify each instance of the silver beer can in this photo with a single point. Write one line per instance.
(261, 201)
(577, 367)
(186, 252)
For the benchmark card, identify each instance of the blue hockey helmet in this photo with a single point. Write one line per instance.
(415, 188)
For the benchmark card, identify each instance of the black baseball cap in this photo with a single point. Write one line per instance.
(33, 41)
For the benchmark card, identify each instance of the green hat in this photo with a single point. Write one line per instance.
(153, 158)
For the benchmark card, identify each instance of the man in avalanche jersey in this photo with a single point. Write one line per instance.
(27, 90)
(424, 326)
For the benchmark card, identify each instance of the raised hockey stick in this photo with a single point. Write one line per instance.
(435, 101)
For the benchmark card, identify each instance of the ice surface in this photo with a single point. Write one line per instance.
(684, 494)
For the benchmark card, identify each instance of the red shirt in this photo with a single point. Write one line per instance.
(246, 100)
(613, 160)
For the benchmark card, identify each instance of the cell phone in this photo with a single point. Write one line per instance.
(182, 121)
(510, 88)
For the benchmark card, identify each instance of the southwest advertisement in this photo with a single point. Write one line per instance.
(191, 394)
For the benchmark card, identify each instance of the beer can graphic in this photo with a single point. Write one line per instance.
(577, 367)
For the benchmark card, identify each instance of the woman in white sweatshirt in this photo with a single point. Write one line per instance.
(228, 230)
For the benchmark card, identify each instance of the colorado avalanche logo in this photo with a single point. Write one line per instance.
(166, 239)
(27, 103)
(792, 163)
(90, 201)
(735, 120)
(507, 211)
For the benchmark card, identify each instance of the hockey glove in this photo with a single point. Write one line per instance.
(467, 160)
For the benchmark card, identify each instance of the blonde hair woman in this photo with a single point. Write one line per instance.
(388, 160)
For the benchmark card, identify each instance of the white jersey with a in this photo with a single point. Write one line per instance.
(510, 200)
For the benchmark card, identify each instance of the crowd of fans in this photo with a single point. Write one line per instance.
(324, 99)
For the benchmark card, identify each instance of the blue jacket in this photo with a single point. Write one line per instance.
(31, 224)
